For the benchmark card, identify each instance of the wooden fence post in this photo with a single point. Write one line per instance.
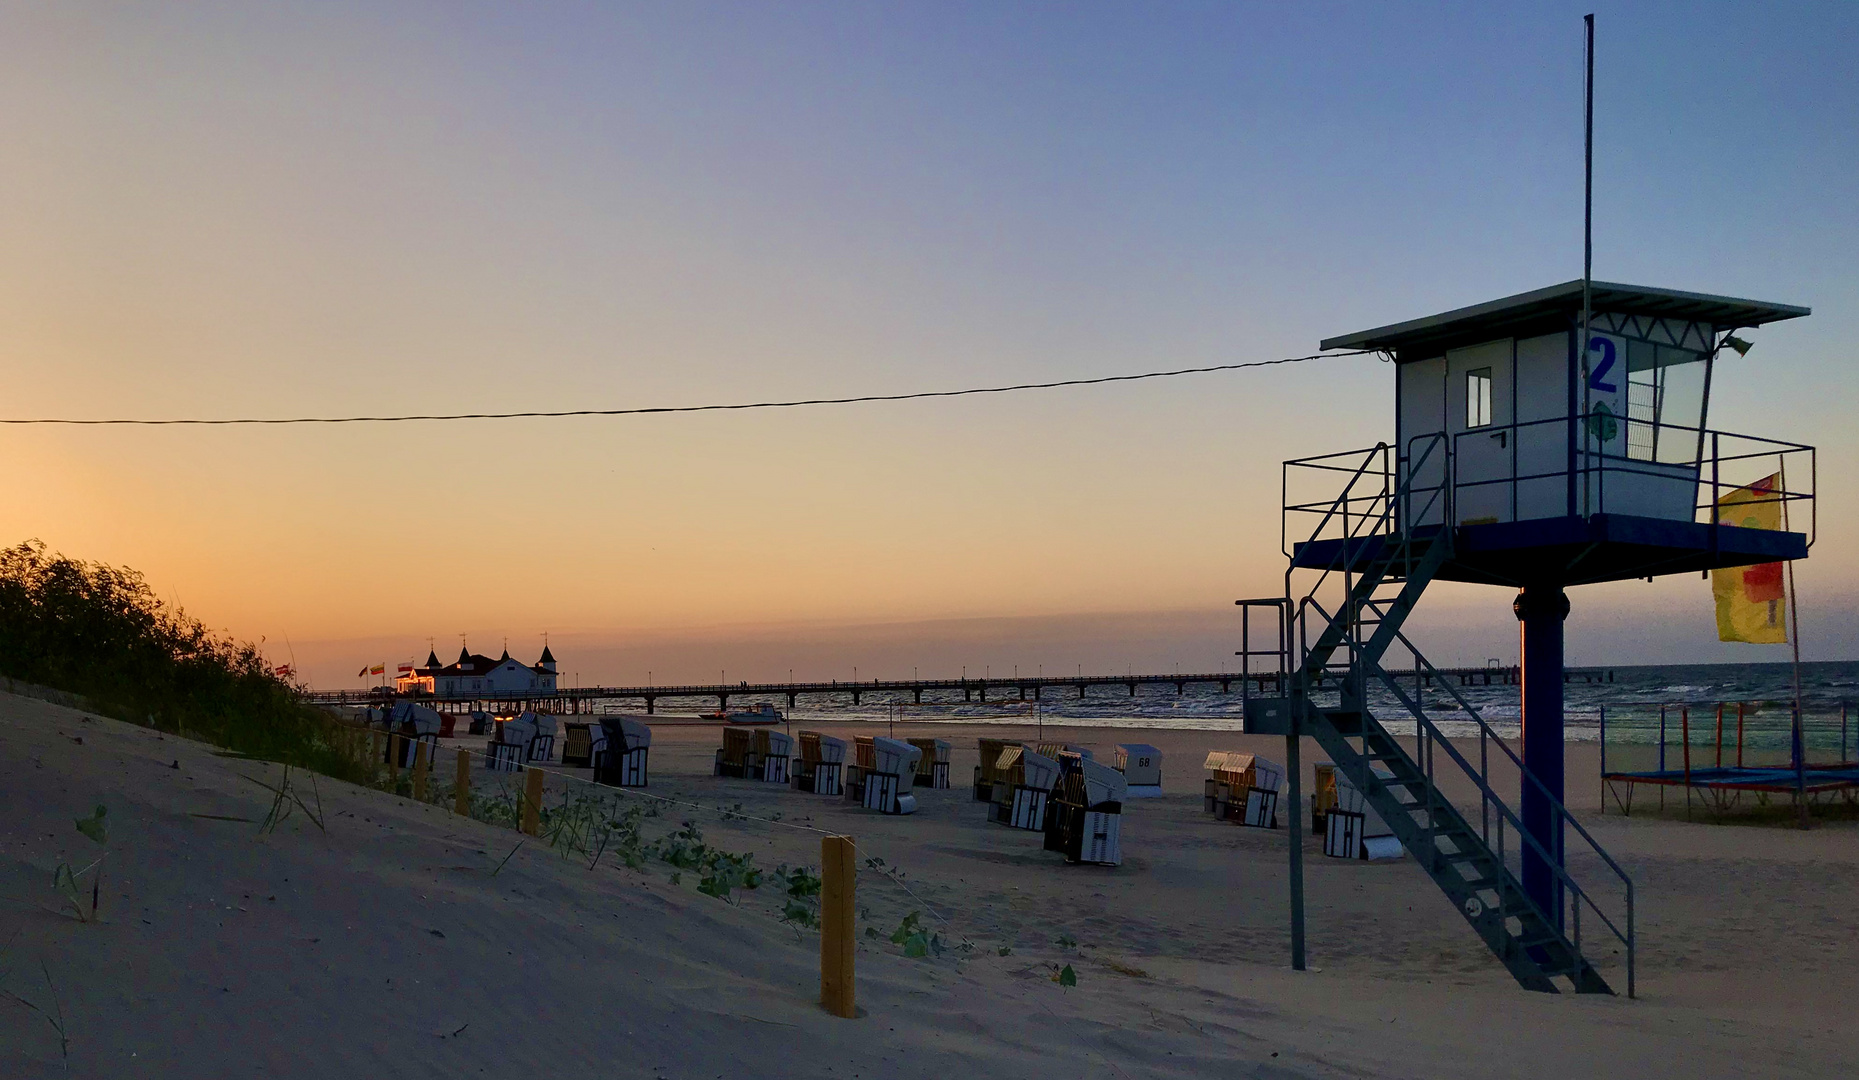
(461, 786)
(380, 754)
(393, 761)
(421, 767)
(532, 801)
(838, 877)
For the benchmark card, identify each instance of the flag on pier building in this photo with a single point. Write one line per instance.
(1750, 598)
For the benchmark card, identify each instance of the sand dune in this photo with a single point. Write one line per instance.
(386, 945)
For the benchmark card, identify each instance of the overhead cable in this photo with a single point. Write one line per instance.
(649, 410)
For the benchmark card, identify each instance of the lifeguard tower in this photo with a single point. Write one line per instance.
(1526, 458)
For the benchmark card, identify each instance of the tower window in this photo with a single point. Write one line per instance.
(1478, 397)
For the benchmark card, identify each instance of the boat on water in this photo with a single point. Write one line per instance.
(755, 714)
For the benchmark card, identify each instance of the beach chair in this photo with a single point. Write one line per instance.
(1141, 766)
(772, 750)
(577, 744)
(986, 772)
(822, 758)
(508, 749)
(1230, 776)
(1084, 821)
(415, 724)
(1054, 749)
(1020, 798)
(1323, 798)
(480, 723)
(1260, 810)
(864, 761)
(623, 748)
(1352, 828)
(736, 757)
(542, 746)
(885, 786)
(933, 766)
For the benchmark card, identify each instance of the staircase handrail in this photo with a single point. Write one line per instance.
(1491, 798)
(1341, 501)
(1487, 732)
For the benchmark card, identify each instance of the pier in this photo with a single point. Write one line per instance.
(1017, 688)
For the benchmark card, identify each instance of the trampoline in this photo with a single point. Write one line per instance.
(1722, 764)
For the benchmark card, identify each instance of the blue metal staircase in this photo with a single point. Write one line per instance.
(1374, 578)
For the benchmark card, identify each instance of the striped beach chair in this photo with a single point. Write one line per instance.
(1141, 766)
(1021, 797)
(737, 756)
(772, 750)
(884, 783)
(621, 752)
(821, 762)
(1084, 821)
(933, 766)
(1352, 828)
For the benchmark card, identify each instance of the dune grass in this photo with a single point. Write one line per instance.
(100, 632)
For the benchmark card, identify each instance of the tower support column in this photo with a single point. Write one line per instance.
(1540, 611)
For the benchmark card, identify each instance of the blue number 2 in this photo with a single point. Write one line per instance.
(1606, 349)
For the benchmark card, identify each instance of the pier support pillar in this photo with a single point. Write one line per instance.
(1540, 611)
(918, 691)
(651, 705)
(792, 697)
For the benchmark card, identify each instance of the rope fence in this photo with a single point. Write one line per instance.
(575, 815)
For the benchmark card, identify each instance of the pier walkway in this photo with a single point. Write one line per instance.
(940, 691)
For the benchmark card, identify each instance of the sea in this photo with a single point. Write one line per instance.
(1642, 706)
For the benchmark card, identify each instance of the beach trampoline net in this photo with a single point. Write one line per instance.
(1734, 753)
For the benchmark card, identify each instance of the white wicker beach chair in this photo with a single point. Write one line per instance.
(1261, 810)
(1141, 766)
(933, 767)
(624, 748)
(821, 764)
(1024, 788)
(542, 745)
(1352, 828)
(773, 750)
(508, 749)
(887, 785)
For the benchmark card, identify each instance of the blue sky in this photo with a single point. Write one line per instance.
(221, 209)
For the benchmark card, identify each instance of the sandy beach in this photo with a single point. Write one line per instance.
(389, 942)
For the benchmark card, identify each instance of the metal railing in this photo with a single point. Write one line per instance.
(1375, 504)
(1428, 736)
(1719, 461)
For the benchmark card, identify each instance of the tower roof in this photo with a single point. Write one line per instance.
(432, 658)
(1548, 310)
(464, 655)
(547, 656)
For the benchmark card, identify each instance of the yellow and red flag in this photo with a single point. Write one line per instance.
(1750, 598)
(378, 669)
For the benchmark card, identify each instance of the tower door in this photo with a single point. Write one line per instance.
(1479, 408)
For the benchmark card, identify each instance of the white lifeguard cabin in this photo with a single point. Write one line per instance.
(1499, 418)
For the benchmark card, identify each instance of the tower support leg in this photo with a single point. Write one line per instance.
(1540, 611)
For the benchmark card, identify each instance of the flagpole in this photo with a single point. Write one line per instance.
(1587, 229)
(1797, 736)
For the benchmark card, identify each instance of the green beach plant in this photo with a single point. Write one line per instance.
(100, 632)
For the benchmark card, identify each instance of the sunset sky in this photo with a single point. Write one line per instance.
(223, 210)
